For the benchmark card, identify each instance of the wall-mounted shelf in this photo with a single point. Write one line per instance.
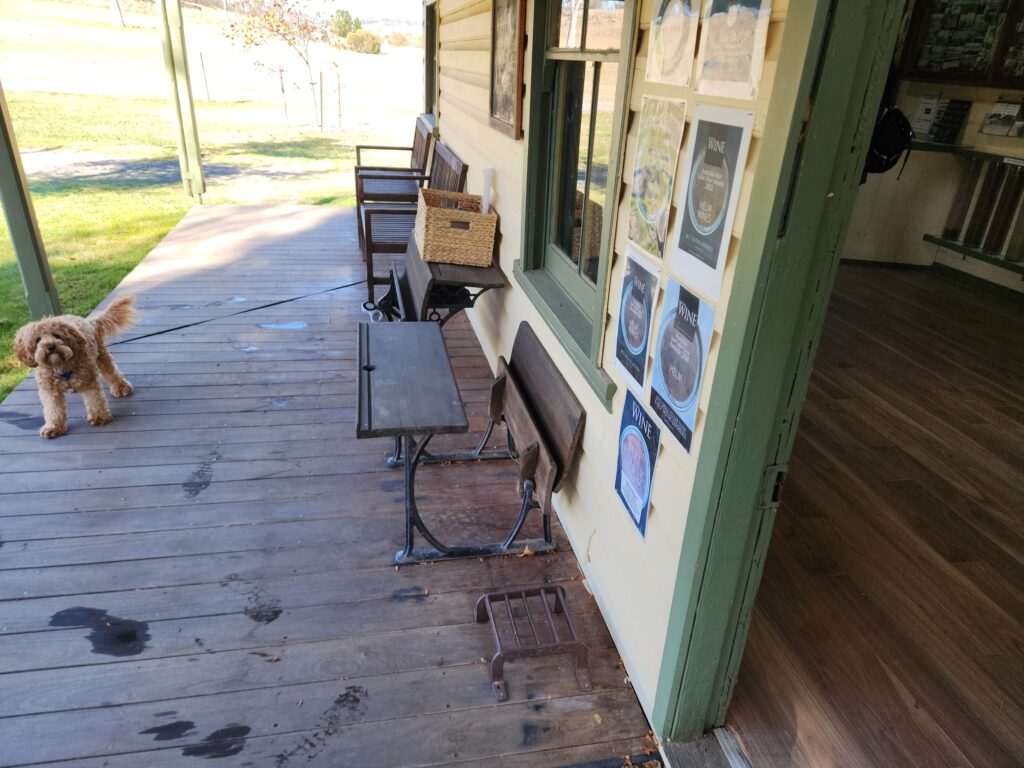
(964, 150)
(975, 253)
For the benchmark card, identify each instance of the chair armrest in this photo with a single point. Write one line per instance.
(390, 176)
(394, 170)
(361, 147)
(360, 178)
(398, 210)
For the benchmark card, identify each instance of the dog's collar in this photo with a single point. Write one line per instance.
(66, 375)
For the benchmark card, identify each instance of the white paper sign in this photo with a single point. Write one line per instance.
(716, 157)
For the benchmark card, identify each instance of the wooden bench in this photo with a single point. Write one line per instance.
(543, 418)
(385, 227)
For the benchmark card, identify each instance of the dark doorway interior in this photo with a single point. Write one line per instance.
(889, 625)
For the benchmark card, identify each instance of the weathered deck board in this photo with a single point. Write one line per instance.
(230, 518)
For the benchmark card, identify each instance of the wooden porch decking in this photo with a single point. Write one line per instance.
(209, 576)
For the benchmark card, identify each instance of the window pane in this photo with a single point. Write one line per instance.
(604, 24)
(600, 159)
(570, 24)
(571, 156)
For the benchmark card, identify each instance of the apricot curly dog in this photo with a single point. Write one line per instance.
(69, 355)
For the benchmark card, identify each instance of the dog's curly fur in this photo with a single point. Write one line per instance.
(69, 355)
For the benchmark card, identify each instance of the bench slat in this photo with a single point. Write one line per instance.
(560, 416)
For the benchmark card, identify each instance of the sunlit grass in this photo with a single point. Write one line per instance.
(98, 224)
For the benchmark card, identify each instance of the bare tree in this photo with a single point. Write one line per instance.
(262, 21)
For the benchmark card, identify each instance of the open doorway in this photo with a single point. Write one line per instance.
(887, 627)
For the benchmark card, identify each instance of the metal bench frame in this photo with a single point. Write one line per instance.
(526, 396)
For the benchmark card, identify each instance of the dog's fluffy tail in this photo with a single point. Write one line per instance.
(117, 317)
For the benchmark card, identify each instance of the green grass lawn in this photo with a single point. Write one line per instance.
(98, 225)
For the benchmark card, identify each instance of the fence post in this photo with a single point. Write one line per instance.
(206, 83)
(284, 98)
(337, 73)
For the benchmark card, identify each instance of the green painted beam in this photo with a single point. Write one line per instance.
(21, 222)
(830, 75)
(176, 66)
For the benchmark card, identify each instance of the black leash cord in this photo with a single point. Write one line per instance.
(235, 314)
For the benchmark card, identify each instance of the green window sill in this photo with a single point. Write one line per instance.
(572, 327)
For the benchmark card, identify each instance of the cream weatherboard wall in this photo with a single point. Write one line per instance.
(631, 578)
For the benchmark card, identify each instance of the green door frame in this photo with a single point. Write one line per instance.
(21, 222)
(831, 72)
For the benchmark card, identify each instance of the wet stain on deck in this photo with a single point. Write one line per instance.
(533, 733)
(224, 742)
(348, 707)
(417, 594)
(201, 477)
(110, 635)
(27, 421)
(170, 731)
(263, 607)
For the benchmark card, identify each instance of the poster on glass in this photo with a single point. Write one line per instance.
(716, 156)
(732, 44)
(654, 172)
(673, 41)
(638, 450)
(636, 316)
(680, 357)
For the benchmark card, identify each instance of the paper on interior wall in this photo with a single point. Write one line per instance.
(716, 157)
(638, 451)
(673, 40)
(680, 358)
(636, 319)
(654, 173)
(925, 114)
(732, 44)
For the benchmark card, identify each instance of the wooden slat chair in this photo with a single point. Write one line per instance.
(419, 152)
(393, 184)
(385, 227)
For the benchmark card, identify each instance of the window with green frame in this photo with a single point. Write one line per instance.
(577, 110)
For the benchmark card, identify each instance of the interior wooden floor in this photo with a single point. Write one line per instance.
(889, 626)
(210, 575)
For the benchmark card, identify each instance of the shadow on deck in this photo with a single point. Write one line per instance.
(209, 575)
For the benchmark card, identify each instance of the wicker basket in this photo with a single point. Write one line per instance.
(451, 229)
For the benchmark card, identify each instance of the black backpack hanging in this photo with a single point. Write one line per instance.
(890, 140)
(891, 137)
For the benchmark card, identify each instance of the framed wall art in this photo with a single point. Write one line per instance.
(508, 47)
